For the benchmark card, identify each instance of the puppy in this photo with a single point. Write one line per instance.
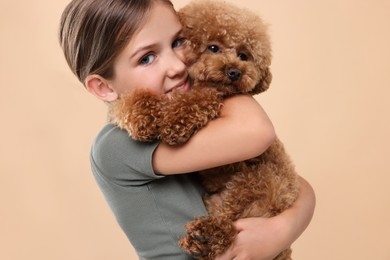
(228, 52)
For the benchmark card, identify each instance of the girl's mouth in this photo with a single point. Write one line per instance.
(185, 87)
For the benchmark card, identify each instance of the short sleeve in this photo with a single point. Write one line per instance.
(122, 160)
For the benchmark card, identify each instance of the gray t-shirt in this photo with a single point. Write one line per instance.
(151, 209)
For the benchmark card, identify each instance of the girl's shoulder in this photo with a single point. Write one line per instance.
(112, 138)
(115, 155)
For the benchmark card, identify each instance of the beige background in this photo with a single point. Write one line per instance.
(329, 102)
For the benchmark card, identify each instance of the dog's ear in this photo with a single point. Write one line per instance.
(194, 37)
(191, 49)
(264, 82)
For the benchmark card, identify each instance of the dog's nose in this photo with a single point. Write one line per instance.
(233, 74)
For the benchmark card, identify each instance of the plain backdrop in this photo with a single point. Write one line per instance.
(329, 101)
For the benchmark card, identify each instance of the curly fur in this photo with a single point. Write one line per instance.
(228, 52)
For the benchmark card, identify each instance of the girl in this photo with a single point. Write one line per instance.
(117, 46)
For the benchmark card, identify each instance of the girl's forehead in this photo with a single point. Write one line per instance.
(161, 20)
(159, 28)
(160, 13)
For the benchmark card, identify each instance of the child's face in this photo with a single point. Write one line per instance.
(153, 59)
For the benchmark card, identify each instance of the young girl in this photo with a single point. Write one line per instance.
(117, 46)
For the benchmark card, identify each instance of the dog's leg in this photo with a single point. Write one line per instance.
(139, 113)
(185, 113)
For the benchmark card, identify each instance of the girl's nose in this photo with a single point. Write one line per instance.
(175, 65)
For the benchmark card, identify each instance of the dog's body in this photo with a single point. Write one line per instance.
(228, 53)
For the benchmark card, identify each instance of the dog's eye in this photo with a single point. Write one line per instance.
(242, 56)
(213, 48)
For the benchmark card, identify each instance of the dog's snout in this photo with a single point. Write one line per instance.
(233, 74)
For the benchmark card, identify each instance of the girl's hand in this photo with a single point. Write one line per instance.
(265, 238)
(258, 238)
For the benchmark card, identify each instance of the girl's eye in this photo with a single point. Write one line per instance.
(178, 42)
(147, 59)
(242, 56)
(213, 48)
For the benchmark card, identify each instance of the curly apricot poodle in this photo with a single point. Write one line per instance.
(228, 52)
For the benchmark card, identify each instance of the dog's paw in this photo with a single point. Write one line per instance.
(207, 237)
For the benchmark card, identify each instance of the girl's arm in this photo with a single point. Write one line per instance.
(265, 238)
(243, 131)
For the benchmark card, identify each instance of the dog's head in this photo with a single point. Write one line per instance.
(226, 46)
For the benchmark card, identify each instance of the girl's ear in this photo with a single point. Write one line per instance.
(99, 87)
